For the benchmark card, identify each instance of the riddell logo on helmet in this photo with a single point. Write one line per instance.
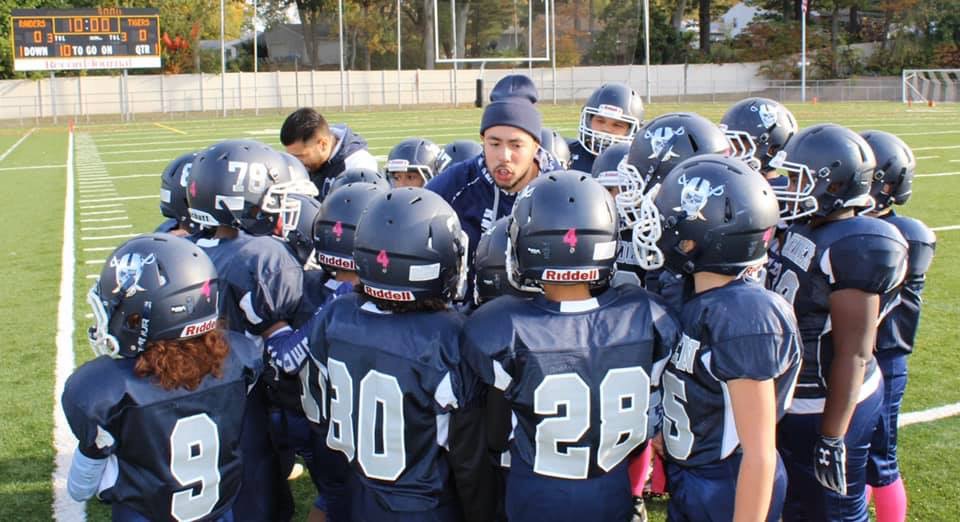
(195, 329)
(571, 276)
(344, 263)
(388, 295)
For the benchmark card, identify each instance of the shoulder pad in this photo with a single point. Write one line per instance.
(913, 230)
(872, 258)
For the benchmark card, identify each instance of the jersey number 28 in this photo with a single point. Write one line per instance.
(624, 399)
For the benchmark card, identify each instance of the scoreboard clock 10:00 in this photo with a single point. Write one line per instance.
(101, 38)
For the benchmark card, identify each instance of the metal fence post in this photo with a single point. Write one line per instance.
(313, 88)
(38, 113)
(79, 96)
(120, 95)
(383, 87)
(201, 92)
(163, 102)
(279, 92)
(53, 97)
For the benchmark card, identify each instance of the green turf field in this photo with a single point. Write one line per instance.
(116, 195)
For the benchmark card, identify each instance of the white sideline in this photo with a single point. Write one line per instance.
(64, 507)
(929, 415)
(937, 174)
(948, 227)
(17, 144)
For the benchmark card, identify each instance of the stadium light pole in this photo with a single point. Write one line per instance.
(803, 50)
(223, 64)
(343, 103)
(256, 102)
(646, 46)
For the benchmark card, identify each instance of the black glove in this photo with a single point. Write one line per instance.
(830, 463)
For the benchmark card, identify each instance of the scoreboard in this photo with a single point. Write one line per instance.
(100, 38)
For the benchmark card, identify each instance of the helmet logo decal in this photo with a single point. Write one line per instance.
(383, 259)
(338, 230)
(206, 289)
(570, 239)
(659, 139)
(128, 270)
(193, 188)
(610, 110)
(696, 191)
(768, 114)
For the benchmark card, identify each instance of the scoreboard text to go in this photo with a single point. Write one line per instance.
(103, 38)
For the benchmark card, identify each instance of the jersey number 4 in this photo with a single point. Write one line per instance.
(624, 399)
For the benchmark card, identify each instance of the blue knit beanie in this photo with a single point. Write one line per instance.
(512, 103)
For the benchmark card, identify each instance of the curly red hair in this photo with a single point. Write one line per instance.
(183, 363)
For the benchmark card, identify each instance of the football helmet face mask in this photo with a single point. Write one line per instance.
(409, 246)
(461, 150)
(724, 206)
(490, 263)
(417, 155)
(296, 227)
(611, 170)
(173, 191)
(614, 101)
(896, 165)
(153, 287)
(666, 141)
(358, 175)
(767, 123)
(840, 162)
(553, 143)
(563, 230)
(336, 225)
(243, 184)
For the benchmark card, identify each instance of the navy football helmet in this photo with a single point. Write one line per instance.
(563, 229)
(296, 227)
(895, 167)
(173, 190)
(243, 184)
(358, 175)
(556, 146)
(722, 204)
(615, 101)
(667, 140)
(409, 246)
(839, 164)
(490, 263)
(152, 287)
(461, 150)
(417, 155)
(333, 233)
(768, 124)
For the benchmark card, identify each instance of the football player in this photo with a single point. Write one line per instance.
(579, 375)
(892, 185)
(390, 367)
(769, 126)
(482, 190)
(490, 264)
(837, 269)
(240, 188)
(612, 114)
(415, 161)
(732, 376)
(159, 413)
(173, 197)
(607, 170)
(461, 150)
(325, 150)
(556, 146)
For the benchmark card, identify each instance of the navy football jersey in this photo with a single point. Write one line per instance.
(898, 331)
(222, 252)
(172, 454)
(737, 331)
(580, 158)
(168, 225)
(391, 381)
(582, 377)
(862, 253)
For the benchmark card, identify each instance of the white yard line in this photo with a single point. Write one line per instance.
(64, 507)
(110, 227)
(34, 167)
(937, 174)
(106, 205)
(102, 238)
(929, 415)
(937, 147)
(948, 227)
(17, 144)
(99, 249)
(104, 220)
(123, 198)
(102, 212)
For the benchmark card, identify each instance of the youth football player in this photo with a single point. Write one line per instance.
(892, 185)
(173, 197)
(732, 376)
(415, 161)
(837, 269)
(391, 372)
(159, 413)
(578, 374)
(612, 114)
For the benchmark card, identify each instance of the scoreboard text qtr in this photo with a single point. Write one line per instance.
(100, 38)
